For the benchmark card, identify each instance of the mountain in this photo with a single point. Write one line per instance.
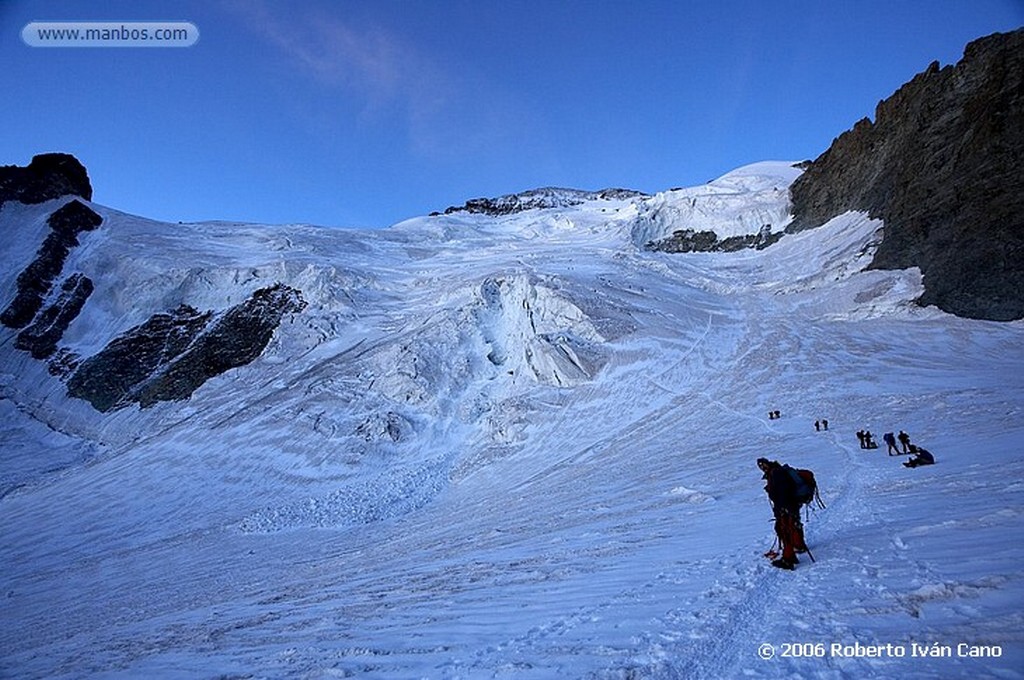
(495, 443)
(475, 445)
(940, 165)
(48, 176)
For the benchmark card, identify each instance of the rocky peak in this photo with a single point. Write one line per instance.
(941, 165)
(49, 175)
(535, 199)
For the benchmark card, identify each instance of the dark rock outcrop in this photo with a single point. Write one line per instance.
(49, 175)
(166, 358)
(107, 380)
(690, 241)
(41, 338)
(36, 280)
(233, 340)
(63, 363)
(942, 166)
(540, 198)
(685, 241)
(171, 355)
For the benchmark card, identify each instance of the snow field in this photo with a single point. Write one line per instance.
(377, 496)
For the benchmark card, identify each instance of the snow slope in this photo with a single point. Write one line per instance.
(516, 447)
(738, 203)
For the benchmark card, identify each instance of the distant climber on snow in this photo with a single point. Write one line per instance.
(904, 441)
(921, 457)
(890, 441)
(788, 489)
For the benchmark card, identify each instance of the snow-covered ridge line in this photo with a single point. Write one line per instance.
(539, 199)
(140, 282)
(748, 202)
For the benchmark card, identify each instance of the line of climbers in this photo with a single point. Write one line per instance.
(789, 489)
(920, 456)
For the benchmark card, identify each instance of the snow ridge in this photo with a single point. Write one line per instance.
(739, 203)
(539, 199)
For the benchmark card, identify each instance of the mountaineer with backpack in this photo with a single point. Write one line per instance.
(788, 490)
(890, 440)
(904, 441)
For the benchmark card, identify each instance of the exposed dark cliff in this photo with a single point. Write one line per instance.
(41, 338)
(107, 380)
(49, 175)
(36, 281)
(166, 358)
(942, 166)
(173, 353)
(690, 241)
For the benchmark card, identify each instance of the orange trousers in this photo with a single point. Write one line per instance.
(790, 532)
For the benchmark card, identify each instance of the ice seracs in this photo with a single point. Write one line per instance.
(744, 202)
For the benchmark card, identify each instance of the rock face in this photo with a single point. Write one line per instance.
(50, 175)
(540, 198)
(172, 354)
(41, 338)
(36, 281)
(166, 358)
(108, 379)
(690, 241)
(942, 166)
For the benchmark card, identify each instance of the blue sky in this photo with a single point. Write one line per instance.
(366, 113)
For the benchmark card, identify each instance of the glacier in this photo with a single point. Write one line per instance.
(516, 446)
